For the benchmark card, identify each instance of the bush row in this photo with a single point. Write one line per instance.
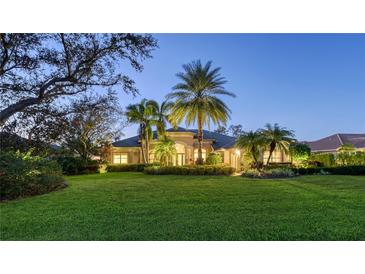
(126, 167)
(269, 173)
(25, 175)
(76, 165)
(338, 170)
(190, 170)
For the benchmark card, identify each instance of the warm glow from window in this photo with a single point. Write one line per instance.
(204, 154)
(120, 158)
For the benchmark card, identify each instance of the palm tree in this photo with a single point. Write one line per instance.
(164, 150)
(253, 142)
(162, 117)
(196, 101)
(277, 137)
(143, 113)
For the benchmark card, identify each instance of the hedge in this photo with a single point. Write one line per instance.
(24, 175)
(126, 167)
(338, 170)
(76, 165)
(190, 170)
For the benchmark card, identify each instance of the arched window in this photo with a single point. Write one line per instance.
(204, 154)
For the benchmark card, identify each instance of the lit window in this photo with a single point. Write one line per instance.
(120, 158)
(204, 154)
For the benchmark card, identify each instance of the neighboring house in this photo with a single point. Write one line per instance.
(334, 142)
(129, 150)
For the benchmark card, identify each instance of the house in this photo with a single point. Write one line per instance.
(186, 142)
(334, 142)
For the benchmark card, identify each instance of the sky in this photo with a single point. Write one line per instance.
(313, 84)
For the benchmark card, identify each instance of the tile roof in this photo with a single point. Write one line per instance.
(333, 142)
(219, 140)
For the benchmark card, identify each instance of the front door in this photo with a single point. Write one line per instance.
(180, 159)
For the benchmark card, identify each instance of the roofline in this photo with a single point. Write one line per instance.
(322, 150)
(339, 138)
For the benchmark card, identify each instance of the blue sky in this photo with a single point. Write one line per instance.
(311, 83)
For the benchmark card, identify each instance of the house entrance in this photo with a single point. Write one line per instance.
(180, 159)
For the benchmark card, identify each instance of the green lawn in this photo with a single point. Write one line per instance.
(133, 206)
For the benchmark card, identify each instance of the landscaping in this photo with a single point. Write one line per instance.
(54, 126)
(24, 175)
(135, 206)
(190, 170)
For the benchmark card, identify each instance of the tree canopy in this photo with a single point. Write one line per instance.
(38, 69)
(196, 98)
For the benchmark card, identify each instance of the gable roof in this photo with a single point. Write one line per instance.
(219, 140)
(333, 142)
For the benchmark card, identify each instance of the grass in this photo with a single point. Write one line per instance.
(134, 206)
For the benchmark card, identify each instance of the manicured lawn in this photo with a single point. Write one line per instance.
(133, 206)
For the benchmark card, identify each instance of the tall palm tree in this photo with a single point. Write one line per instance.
(164, 150)
(196, 98)
(143, 114)
(162, 114)
(253, 142)
(277, 137)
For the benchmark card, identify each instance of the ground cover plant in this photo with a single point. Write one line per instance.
(135, 206)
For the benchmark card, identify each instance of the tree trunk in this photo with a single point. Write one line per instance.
(142, 143)
(147, 148)
(199, 161)
(254, 153)
(272, 148)
(6, 113)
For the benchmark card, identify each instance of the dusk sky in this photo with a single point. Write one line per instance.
(313, 84)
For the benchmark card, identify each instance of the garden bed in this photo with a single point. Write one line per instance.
(190, 170)
(275, 173)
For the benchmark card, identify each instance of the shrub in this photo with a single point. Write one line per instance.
(339, 170)
(324, 159)
(270, 173)
(277, 165)
(214, 159)
(190, 170)
(25, 175)
(76, 165)
(126, 167)
(300, 153)
(351, 158)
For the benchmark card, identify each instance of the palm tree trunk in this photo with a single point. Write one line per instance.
(253, 153)
(147, 148)
(142, 143)
(199, 161)
(272, 148)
